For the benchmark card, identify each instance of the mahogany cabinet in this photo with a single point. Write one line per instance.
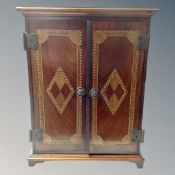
(87, 69)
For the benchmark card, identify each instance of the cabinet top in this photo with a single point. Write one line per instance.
(87, 11)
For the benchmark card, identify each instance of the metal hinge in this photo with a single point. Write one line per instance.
(137, 135)
(30, 41)
(35, 134)
(143, 42)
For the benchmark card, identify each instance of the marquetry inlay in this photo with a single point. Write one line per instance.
(60, 90)
(114, 91)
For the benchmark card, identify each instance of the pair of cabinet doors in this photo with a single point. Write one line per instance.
(87, 81)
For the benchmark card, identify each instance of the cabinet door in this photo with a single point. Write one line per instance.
(117, 73)
(57, 70)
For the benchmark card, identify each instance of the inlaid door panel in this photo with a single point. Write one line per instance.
(116, 73)
(58, 69)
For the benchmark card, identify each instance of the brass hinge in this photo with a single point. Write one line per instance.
(35, 134)
(30, 41)
(143, 42)
(137, 135)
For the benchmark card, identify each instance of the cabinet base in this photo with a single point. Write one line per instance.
(39, 158)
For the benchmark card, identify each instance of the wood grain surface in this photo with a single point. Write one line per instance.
(57, 69)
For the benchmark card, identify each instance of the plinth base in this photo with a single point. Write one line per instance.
(39, 158)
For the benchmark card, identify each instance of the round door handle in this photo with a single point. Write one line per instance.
(80, 91)
(93, 93)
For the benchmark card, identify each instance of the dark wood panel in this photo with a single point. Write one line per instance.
(58, 68)
(54, 24)
(54, 57)
(139, 24)
(115, 53)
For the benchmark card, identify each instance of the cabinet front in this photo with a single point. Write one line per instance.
(58, 72)
(117, 68)
(60, 83)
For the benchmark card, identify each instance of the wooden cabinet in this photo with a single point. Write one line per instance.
(87, 69)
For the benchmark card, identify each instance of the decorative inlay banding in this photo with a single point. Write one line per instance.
(113, 103)
(59, 81)
(54, 90)
(112, 87)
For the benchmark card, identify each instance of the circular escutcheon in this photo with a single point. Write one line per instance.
(80, 91)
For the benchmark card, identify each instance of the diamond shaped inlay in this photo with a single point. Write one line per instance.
(114, 91)
(60, 91)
